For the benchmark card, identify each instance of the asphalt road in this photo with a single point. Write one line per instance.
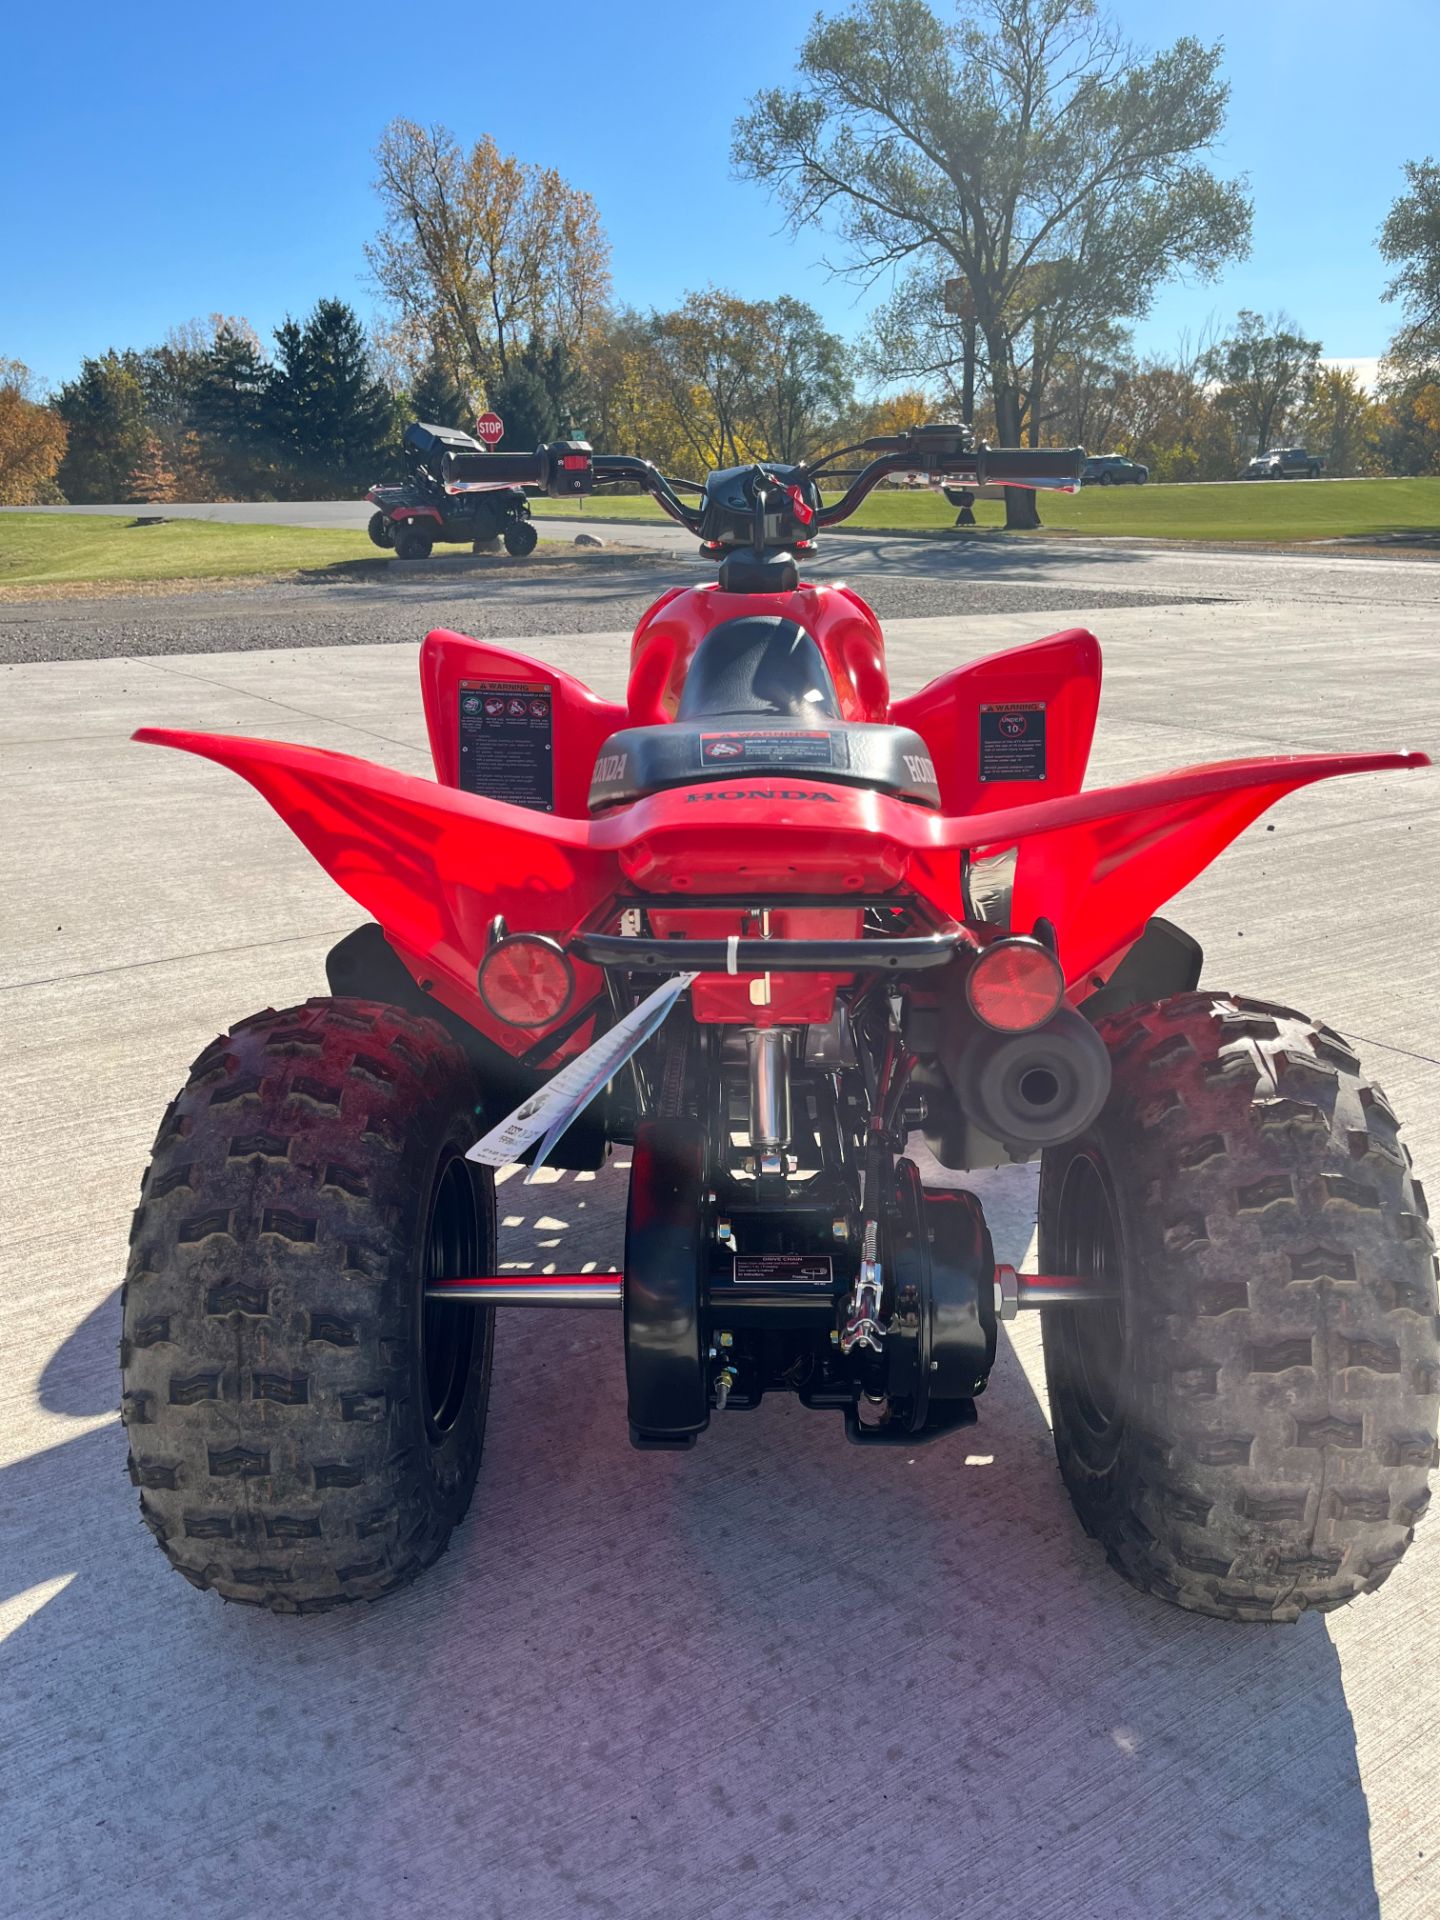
(775, 1677)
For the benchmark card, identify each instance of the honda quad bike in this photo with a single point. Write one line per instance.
(432, 507)
(761, 924)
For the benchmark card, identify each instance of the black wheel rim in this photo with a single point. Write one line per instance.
(1090, 1340)
(450, 1331)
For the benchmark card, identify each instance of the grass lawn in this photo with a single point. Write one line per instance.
(1256, 510)
(43, 549)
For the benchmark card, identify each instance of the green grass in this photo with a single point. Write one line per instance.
(45, 549)
(1256, 510)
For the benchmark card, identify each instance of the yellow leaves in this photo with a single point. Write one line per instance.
(32, 442)
(484, 249)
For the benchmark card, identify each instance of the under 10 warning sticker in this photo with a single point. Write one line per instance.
(507, 744)
(787, 747)
(1012, 741)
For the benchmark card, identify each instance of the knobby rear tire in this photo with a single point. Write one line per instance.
(1249, 1433)
(303, 1430)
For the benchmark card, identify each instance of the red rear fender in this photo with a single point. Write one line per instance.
(1045, 695)
(452, 665)
(433, 866)
(1098, 865)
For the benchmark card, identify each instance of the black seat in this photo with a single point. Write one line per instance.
(758, 664)
(759, 705)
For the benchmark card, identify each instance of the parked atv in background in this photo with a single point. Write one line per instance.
(429, 509)
(760, 924)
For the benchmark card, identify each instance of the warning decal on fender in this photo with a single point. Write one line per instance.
(1012, 740)
(507, 741)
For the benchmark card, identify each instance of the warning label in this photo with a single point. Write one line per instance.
(783, 1270)
(774, 747)
(1012, 741)
(507, 746)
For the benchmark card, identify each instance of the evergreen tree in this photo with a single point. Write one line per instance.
(104, 410)
(330, 420)
(539, 395)
(229, 408)
(438, 398)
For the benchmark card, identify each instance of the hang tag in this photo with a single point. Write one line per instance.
(563, 1099)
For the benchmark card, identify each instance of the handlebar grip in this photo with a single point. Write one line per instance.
(1030, 466)
(503, 469)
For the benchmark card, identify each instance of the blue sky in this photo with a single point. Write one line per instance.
(181, 159)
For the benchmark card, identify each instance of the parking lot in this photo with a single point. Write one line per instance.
(776, 1676)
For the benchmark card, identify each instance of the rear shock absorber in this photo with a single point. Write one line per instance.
(769, 1054)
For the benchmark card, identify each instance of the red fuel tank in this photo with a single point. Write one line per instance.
(845, 629)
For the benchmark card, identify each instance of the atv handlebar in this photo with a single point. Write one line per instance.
(566, 469)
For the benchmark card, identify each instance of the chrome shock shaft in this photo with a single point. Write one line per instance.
(769, 1052)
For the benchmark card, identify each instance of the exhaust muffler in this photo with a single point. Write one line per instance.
(1029, 1090)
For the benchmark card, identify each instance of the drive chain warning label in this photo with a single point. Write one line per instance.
(783, 1270)
(507, 743)
(774, 747)
(1012, 740)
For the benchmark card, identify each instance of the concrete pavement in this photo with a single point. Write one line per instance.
(774, 1677)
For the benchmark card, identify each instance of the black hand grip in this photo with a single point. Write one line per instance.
(501, 469)
(1030, 466)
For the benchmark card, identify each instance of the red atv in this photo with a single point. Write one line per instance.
(761, 924)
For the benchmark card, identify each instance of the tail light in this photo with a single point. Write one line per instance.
(1015, 985)
(526, 980)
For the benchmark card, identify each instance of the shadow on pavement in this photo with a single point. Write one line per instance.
(776, 1676)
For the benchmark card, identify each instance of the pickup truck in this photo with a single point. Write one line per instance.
(1284, 463)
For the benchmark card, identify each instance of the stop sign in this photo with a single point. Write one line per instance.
(490, 428)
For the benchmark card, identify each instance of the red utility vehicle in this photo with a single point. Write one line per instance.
(760, 925)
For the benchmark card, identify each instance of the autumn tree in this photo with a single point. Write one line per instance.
(32, 441)
(1342, 421)
(1264, 370)
(1086, 403)
(1026, 150)
(632, 407)
(481, 251)
(153, 478)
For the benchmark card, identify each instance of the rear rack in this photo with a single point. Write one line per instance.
(878, 950)
(901, 953)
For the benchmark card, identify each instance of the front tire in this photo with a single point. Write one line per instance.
(1249, 1430)
(520, 538)
(381, 531)
(410, 545)
(305, 1429)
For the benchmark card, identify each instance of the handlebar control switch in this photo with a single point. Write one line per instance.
(571, 469)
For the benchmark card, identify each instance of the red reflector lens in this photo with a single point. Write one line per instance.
(574, 462)
(1015, 985)
(526, 981)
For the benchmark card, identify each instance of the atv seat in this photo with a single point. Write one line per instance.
(760, 702)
